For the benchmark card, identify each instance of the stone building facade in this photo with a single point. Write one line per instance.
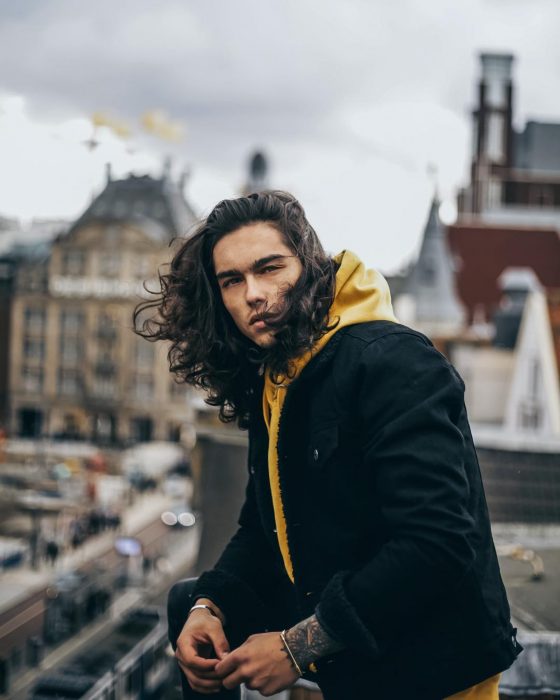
(76, 369)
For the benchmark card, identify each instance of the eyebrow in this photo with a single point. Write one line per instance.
(258, 263)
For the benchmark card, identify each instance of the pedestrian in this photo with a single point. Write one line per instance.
(51, 551)
(364, 558)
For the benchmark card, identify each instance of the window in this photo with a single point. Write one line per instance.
(541, 195)
(141, 429)
(69, 350)
(32, 379)
(530, 414)
(494, 193)
(107, 327)
(143, 387)
(496, 93)
(495, 138)
(110, 264)
(73, 262)
(17, 658)
(30, 422)
(104, 386)
(534, 379)
(34, 320)
(71, 322)
(68, 382)
(144, 354)
(174, 432)
(428, 272)
(34, 348)
(105, 365)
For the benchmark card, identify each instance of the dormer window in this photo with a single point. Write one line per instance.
(73, 262)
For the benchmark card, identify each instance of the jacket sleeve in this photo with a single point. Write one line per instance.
(411, 404)
(246, 572)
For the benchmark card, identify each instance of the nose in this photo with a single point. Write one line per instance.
(254, 291)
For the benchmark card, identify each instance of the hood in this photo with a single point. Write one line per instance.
(360, 295)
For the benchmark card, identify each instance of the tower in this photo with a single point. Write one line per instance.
(257, 179)
(493, 137)
(430, 302)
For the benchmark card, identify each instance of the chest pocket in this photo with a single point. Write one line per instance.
(322, 445)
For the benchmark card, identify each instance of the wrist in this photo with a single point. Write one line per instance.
(211, 608)
(290, 654)
(309, 642)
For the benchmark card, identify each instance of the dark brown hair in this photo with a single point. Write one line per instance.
(207, 350)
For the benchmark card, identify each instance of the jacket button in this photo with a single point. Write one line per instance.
(315, 454)
(252, 469)
(310, 593)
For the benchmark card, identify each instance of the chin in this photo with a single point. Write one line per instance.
(266, 341)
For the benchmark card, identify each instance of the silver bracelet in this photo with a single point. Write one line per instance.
(202, 607)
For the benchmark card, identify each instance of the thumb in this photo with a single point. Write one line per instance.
(220, 644)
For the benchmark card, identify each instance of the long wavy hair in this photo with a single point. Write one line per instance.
(207, 350)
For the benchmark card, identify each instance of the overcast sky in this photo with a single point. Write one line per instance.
(350, 99)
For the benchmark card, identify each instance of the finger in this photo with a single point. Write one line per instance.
(227, 665)
(219, 642)
(234, 679)
(208, 675)
(201, 686)
(190, 658)
(199, 681)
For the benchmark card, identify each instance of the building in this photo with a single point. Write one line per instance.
(486, 291)
(257, 174)
(482, 252)
(76, 369)
(509, 213)
(428, 299)
(515, 176)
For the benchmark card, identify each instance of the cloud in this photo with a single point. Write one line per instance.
(280, 67)
(347, 96)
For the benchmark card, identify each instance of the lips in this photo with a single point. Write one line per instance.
(260, 319)
(258, 324)
(266, 318)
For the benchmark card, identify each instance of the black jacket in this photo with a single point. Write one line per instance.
(387, 523)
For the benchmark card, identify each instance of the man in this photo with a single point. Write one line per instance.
(363, 558)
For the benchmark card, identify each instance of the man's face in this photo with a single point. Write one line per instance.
(254, 268)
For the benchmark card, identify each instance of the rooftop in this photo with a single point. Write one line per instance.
(157, 205)
(537, 147)
(483, 252)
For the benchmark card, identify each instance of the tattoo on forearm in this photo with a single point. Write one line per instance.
(308, 642)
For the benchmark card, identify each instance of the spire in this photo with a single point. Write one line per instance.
(257, 179)
(431, 283)
(167, 165)
(432, 172)
(183, 179)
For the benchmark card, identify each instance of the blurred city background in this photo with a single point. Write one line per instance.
(423, 136)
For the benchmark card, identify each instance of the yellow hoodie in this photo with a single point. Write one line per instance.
(360, 295)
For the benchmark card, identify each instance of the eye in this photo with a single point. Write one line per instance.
(230, 281)
(270, 268)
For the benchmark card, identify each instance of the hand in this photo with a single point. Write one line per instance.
(261, 662)
(201, 644)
